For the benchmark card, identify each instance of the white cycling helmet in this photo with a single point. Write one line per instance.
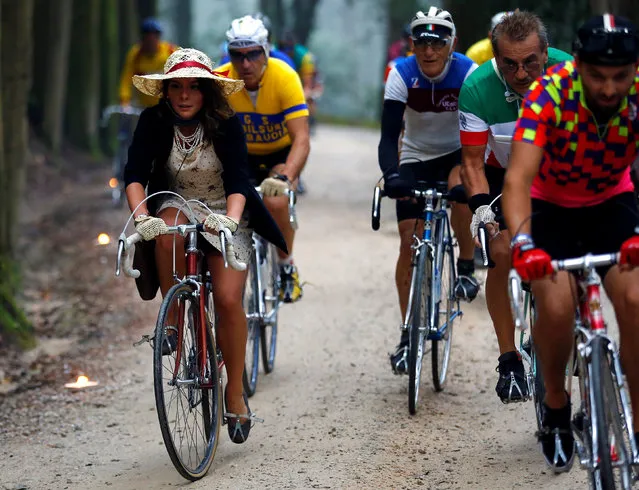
(247, 32)
(436, 17)
(496, 19)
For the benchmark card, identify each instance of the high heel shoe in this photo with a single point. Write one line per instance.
(238, 431)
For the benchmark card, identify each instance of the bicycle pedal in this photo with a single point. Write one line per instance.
(145, 338)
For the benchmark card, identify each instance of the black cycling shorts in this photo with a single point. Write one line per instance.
(431, 171)
(261, 165)
(572, 232)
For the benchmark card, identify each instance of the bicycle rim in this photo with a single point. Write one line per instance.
(251, 308)
(538, 391)
(447, 309)
(417, 332)
(189, 415)
(271, 301)
(602, 472)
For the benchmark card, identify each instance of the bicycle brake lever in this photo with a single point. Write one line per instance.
(118, 262)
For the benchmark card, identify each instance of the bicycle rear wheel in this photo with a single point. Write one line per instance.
(418, 307)
(188, 401)
(608, 429)
(271, 297)
(446, 304)
(251, 308)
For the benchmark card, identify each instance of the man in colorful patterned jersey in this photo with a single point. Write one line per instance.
(275, 118)
(573, 147)
(422, 90)
(488, 106)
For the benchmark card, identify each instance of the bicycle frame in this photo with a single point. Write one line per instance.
(432, 214)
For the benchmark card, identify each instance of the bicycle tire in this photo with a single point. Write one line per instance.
(192, 467)
(251, 308)
(538, 388)
(445, 265)
(271, 298)
(417, 335)
(602, 476)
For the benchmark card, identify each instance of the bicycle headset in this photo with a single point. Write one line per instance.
(607, 40)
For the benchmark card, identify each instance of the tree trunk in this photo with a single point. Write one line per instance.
(110, 67)
(55, 91)
(39, 59)
(15, 84)
(149, 8)
(84, 76)
(275, 11)
(183, 15)
(129, 28)
(304, 19)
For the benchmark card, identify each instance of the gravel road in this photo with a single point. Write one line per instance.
(335, 415)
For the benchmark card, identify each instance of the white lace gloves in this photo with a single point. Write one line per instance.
(274, 186)
(483, 214)
(215, 222)
(150, 227)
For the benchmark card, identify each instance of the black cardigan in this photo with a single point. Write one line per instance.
(151, 148)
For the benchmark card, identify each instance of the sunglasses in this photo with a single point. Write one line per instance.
(252, 55)
(510, 66)
(433, 42)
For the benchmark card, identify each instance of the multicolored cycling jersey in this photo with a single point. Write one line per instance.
(583, 164)
(430, 115)
(488, 110)
(279, 99)
(137, 63)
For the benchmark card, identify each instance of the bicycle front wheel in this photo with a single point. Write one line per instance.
(607, 429)
(445, 304)
(188, 400)
(418, 307)
(271, 294)
(251, 308)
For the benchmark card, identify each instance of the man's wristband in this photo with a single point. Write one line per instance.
(521, 239)
(479, 200)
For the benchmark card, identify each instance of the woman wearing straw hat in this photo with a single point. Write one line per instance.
(192, 143)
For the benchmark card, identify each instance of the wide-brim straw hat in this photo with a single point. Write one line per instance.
(186, 63)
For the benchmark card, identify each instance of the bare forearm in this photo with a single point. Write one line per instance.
(516, 204)
(297, 156)
(474, 177)
(135, 194)
(235, 206)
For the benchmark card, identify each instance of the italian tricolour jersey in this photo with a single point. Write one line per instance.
(431, 121)
(487, 115)
(280, 98)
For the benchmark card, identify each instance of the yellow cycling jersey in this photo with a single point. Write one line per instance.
(481, 51)
(280, 98)
(137, 63)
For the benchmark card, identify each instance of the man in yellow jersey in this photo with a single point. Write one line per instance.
(273, 111)
(144, 58)
(482, 51)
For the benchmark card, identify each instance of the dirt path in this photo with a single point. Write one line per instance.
(335, 415)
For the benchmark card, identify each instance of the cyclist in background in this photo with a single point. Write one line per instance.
(274, 115)
(144, 58)
(582, 202)
(482, 51)
(398, 51)
(305, 66)
(489, 104)
(274, 53)
(422, 90)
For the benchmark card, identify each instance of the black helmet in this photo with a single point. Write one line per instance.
(607, 40)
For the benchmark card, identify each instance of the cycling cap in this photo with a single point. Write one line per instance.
(435, 23)
(607, 40)
(247, 32)
(151, 25)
